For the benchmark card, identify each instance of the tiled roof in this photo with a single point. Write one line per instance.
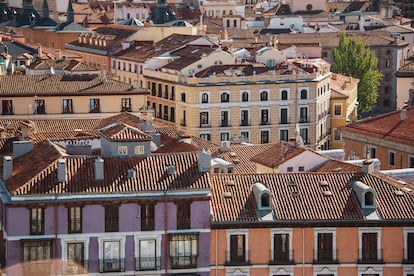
(187, 56)
(301, 197)
(63, 85)
(40, 174)
(387, 127)
(67, 65)
(342, 85)
(277, 154)
(122, 132)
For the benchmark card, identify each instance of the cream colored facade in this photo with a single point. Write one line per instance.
(263, 108)
(344, 103)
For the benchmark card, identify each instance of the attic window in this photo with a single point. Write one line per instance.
(369, 199)
(230, 183)
(227, 195)
(265, 199)
(327, 193)
(323, 183)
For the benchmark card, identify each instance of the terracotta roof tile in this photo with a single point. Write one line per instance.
(277, 154)
(122, 132)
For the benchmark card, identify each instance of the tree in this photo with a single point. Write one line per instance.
(353, 59)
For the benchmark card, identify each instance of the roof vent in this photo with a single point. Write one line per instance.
(323, 183)
(398, 193)
(291, 183)
(236, 161)
(227, 195)
(170, 169)
(132, 173)
(230, 183)
(233, 154)
(327, 193)
(295, 193)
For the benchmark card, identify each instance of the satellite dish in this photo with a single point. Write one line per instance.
(52, 70)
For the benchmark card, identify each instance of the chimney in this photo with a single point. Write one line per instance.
(61, 170)
(58, 54)
(403, 114)
(334, 76)
(39, 50)
(350, 79)
(99, 169)
(204, 160)
(185, 138)
(104, 76)
(7, 167)
(21, 147)
(367, 166)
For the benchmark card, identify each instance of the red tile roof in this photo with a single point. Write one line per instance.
(277, 154)
(388, 127)
(40, 174)
(300, 197)
(122, 132)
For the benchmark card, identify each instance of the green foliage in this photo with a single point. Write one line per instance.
(353, 59)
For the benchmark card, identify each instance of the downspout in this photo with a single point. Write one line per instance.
(216, 253)
(56, 233)
(303, 251)
(165, 234)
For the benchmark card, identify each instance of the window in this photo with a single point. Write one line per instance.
(172, 97)
(391, 158)
(289, 169)
(166, 91)
(325, 247)
(67, 106)
(94, 106)
(237, 248)
(111, 256)
(75, 253)
(153, 89)
(224, 118)
(409, 257)
(245, 134)
(37, 223)
(284, 95)
(303, 114)
(39, 250)
(372, 152)
(204, 122)
(39, 106)
(337, 109)
(369, 249)
(245, 96)
(147, 259)
(204, 98)
(264, 114)
(411, 162)
(303, 94)
(284, 116)
(265, 200)
(122, 150)
(75, 219)
(7, 107)
(386, 102)
(111, 218)
(284, 135)
(301, 168)
(387, 63)
(183, 97)
(304, 133)
(225, 97)
(337, 135)
(224, 136)
(159, 94)
(369, 199)
(205, 136)
(264, 96)
(183, 215)
(183, 250)
(139, 150)
(244, 118)
(281, 245)
(147, 217)
(126, 104)
(264, 136)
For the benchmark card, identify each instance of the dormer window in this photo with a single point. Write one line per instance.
(369, 199)
(265, 200)
(262, 195)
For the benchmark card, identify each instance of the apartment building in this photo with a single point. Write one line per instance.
(219, 96)
(123, 211)
(388, 137)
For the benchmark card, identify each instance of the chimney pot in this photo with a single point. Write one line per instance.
(99, 169)
(7, 167)
(403, 114)
(61, 170)
(367, 166)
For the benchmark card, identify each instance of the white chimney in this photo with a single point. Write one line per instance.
(367, 166)
(61, 170)
(7, 167)
(204, 160)
(99, 169)
(403, 114)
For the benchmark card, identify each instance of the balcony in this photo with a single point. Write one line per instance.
(148, 224)
(147, 263)
(111, 265)
(325, 256)
(225, 124)
(370, 257)
(282, 258)
(284, 122)
(265, 122)
(237, 260)
(245, 123)
(303, 120)
(204, 125)
(183, 261)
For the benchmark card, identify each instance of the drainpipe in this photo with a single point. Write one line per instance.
(165, 234)
(56, 233)
(216, 251)
(303, 251)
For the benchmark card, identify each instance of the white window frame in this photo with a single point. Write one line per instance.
(223, 132)
(406, 231)
(288, 231)
(237, 271)
(264, 103)
(201, 97)
(139, 150)
(281, 271)
(280, 94)
(75, 239)
(362, 270)
(340, 105)
(325, 230)
(225, 92)
(307, 113)
(389, 160)
(148, 236)
(335, 130)
(246, 240)
(287, 113)
(122, 150)
(248, 133)
(369, 230)
(280, 137)
(209, 117)
(111, 238)
(325, 270)
(248, 96)
(300, 93)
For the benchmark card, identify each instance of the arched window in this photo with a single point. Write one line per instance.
(225, 97)
(245, 97)
(303, 94)
(284, 95)
(264, 96)
(265, 200)
(369, 199)
(204, 98)
(183, 97)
